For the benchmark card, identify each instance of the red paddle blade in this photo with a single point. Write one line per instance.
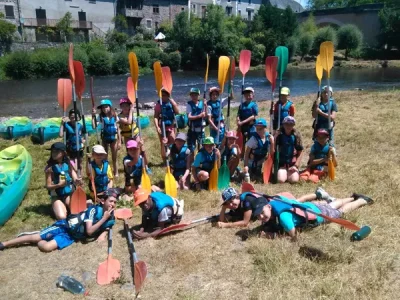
(271, 63)
(91, 91)
(244, 61)
(78, 201)
(108, 271)
(247, 187)
(239, 135)
(79, 78)
(173, 228)
(64, 93)
(130, 90)
(167, 79)
(233, 68)
(268, 164)
(139, 274)
(123, 213)
(71, 62)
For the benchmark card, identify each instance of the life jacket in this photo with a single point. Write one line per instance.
(196, 110)
(324, 107)
(101, 179)
(160, 201)
(178, 158)
(182, 121)
(209, 160)
(246, 110)
(278, 206)
(263, 147)
(286, 147)
(167, 113)
(136, 170)
(62, 171)
(71, 137)
(320, 152)
(126, 129)
(284, 110)
(76, 224)
(215, 108)
(109, 129)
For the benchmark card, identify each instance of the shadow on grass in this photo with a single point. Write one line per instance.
(314, 254)
(41, 209)
(244, 234)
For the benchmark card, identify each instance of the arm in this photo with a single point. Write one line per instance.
(243, 223)
(61, 133)
(314, 162)
(49, 183)
(157, 112)
(246, 159)
(91, 229)
(251, 118)
(174, 106)
(221, 217)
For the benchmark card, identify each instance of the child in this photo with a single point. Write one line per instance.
(247, 113)
(63, 233)
(257, 149)
(320, 113)
(204, 162)
(320, 154)
(158, 211)
(109, 130)
(289, 144)
(59, 180)
(196, 111)
(101, 171)
(74, 151)
(127, 122)
(133, 167)
(180, 161)
(166, 113)
(287, 108)
(215, 107)
(231, 152)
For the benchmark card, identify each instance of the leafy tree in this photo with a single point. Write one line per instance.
(309, 26)
(305, 44)
(64, 26)
(115, 40)
(349, 38)
(120, 22)
(390, 27)
(7, 31)
(324, 34)
(325, 4)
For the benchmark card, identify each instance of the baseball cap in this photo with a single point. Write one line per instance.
(131, 144)
(58, 146)
(99, 149)
(231, 134)
(163, 89)
(326, 87)
(111, 192)
(208, 141)
(289, 120)
(124, 100)
(181, 136)
(194, 91)
(260, 122)
(322, 131)
(228, 194)
(215, 89)
(285, 91)
(105, 102)
(140, 196)
(248, 89)
(259, 208)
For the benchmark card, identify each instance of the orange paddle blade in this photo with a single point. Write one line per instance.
(71, 62)
(79, 78)
(167, 79)
(326, 52)
(78, 201)
(158, 76)
(108, 271)
(331, 169)
(130, 90)
(123, 213)
(247, 187)
(239, 135)
(64, 93)
(173, 228)
(134, 68)
(140, 274)
(213, 180)
(271, 63)
(318, 69)
(244, 61)
(268, 164)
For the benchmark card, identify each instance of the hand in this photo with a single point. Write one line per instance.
(164, 140)
(203, 114)
(239, 123)
(246, 170)
(221, 225)
(62, 183)
(159, 130)
(139, 234)
(217, 153)
(102, 237)
(94, 111)
(293, 168)
(107, 213)
(64, 119)
(78, 181)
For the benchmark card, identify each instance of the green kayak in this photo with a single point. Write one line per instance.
(46, 130)
(15, 175)
(16, 127)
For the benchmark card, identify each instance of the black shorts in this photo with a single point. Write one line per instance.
(75, 154)
(136, 181)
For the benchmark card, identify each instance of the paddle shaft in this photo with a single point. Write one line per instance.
(138, 115)
(203, 219)
(94, 119)
(76, 131)
(109, 251)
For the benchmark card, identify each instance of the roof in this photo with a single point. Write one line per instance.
(282, 4)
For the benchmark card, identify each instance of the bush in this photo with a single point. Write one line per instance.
(324, 34)
(349, 38)
(257, 55)
(80, 55)
(147, 44)
(155, 53)
(120, 63)
(305, 44)
(99, 62)
(116, 41)
(292, 46)
(143, 57)
(95, 44)
(174, 61)
(49, 63)
(18, 65)
(164, 58)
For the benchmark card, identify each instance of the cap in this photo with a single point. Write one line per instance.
(214, 89)
(194, 91)
(105, 102)
(163, 89)
(289, 120)
(248, 89)
(260, 122)
(259, 208)
(229, 194)
(131, 144)
(231, 134)
(322, 132)
(285, 91)
(58, 146)
(208, 141)
(99, 149)
(181, 136)
(111, 192)
(124, 100)
(326, 87)
(140, 196)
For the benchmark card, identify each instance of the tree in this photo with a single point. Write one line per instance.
(7, 31)
(349, 38)
(390, 27)
(325, 4)
(324, 34)
(305, 44)
(309, 26)
(64, 26)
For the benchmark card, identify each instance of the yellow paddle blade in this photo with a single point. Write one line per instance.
(318, 69)
(326, 54)
(331, 169)
(158, 76)
(134, 68)
(146, 183)
(223, 69)
(170, 184)
(208, 64)
(213, 180)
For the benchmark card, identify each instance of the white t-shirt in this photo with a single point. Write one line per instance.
(165, 214)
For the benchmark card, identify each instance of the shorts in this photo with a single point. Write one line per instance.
(327, 210)
(193, 138)
(62, 198)
(136, 180)
(178, 173)
(74, 154)
(59, 233)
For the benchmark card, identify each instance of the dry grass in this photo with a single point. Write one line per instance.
(210, 263)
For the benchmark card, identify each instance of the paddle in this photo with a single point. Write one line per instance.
(64, 97)
(224, 176)
(184, 226)
(167, 79)
(170, 182)
(139, 268)
(326, 54)
(94, 119)
(78, 201)
(80, 88)
(244, 66)
(230, 90)
(110, 269)
(130, 90)
(204, 101)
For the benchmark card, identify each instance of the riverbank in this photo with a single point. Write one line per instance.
(210, 263)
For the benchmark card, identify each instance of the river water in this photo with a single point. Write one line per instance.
(38, 98)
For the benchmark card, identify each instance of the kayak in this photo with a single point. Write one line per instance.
(15, 127)
(144, 121)
(15, 176)
(46, 130)
(89, 128)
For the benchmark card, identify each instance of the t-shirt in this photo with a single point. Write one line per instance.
(250, 202)
(198, 160)
(165, 214)
(252, 143)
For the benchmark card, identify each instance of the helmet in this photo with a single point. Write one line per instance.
(104, 102)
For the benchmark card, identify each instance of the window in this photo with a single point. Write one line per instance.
(229, 1)
(239, 1)
(10, 12)
(239, 13)
(148, 24)
(193, 8)
(156, 9)
(249, 15)
(249, 1)
(203, 11)
(228, 10)
(156, 26)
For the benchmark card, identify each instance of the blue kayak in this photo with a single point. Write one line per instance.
(16, 127)
(144, 121)
(46, 130)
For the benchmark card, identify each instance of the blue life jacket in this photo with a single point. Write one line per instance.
(178, 159)
(160, 201)
(101, 179)
(109, 129)
(209, 160)
(320, 152)
(324, 107)
(57, 172)
(136, 170)
(215, 107)
(286, 147)
(284, 110)
(196, 110)
(279, 207)
(168, 114)
(71, 137)
(246, 110)
(263, 147)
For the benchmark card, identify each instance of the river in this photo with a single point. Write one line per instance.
(38, 98)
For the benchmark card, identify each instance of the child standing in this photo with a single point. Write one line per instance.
(127, 122)
(101, 171)
(216, 117)
(287, 108)
(133, 167)
(196, 111)
(247, 113)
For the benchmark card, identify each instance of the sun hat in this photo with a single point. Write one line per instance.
(228, 194)
(326, 87)
(105, 102)
(99, 149)
(124, 100)
(181, 136)
(58, 146)
(259, 208)
(208, 141)
(285, 91)
(248, 89)
(322, 132)
(131, 144)
(194, 91)
(289, 120)
(214, 89)
(140, 196)
(231, 134)
(260, 122)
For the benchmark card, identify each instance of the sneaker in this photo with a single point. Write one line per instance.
(321, 194)
(330, 199)
(366, 198)
(27, 233)
(149, 171)
(2, 247)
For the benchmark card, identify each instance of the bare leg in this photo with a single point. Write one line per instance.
(293, 176)
(232, 164)
(163, 154)
(307, 198)
(26, 239)
(338, 203)
(114, 153)
(59, 209)
(348, 207)
(282, 175)
(47, 246)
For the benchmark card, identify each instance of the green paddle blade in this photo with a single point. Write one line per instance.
(224, 177)
(283, 58)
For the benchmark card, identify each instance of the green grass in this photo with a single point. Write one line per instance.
(210, 263)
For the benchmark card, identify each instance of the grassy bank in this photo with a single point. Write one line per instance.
(211, 263)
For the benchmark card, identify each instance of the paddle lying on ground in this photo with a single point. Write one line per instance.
(247, 187)
(184, 226)
(94, 119)
(109, 270)
(139, 268)
(64, 97)
(244, 66)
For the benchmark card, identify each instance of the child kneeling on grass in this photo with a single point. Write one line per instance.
(94, 220)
